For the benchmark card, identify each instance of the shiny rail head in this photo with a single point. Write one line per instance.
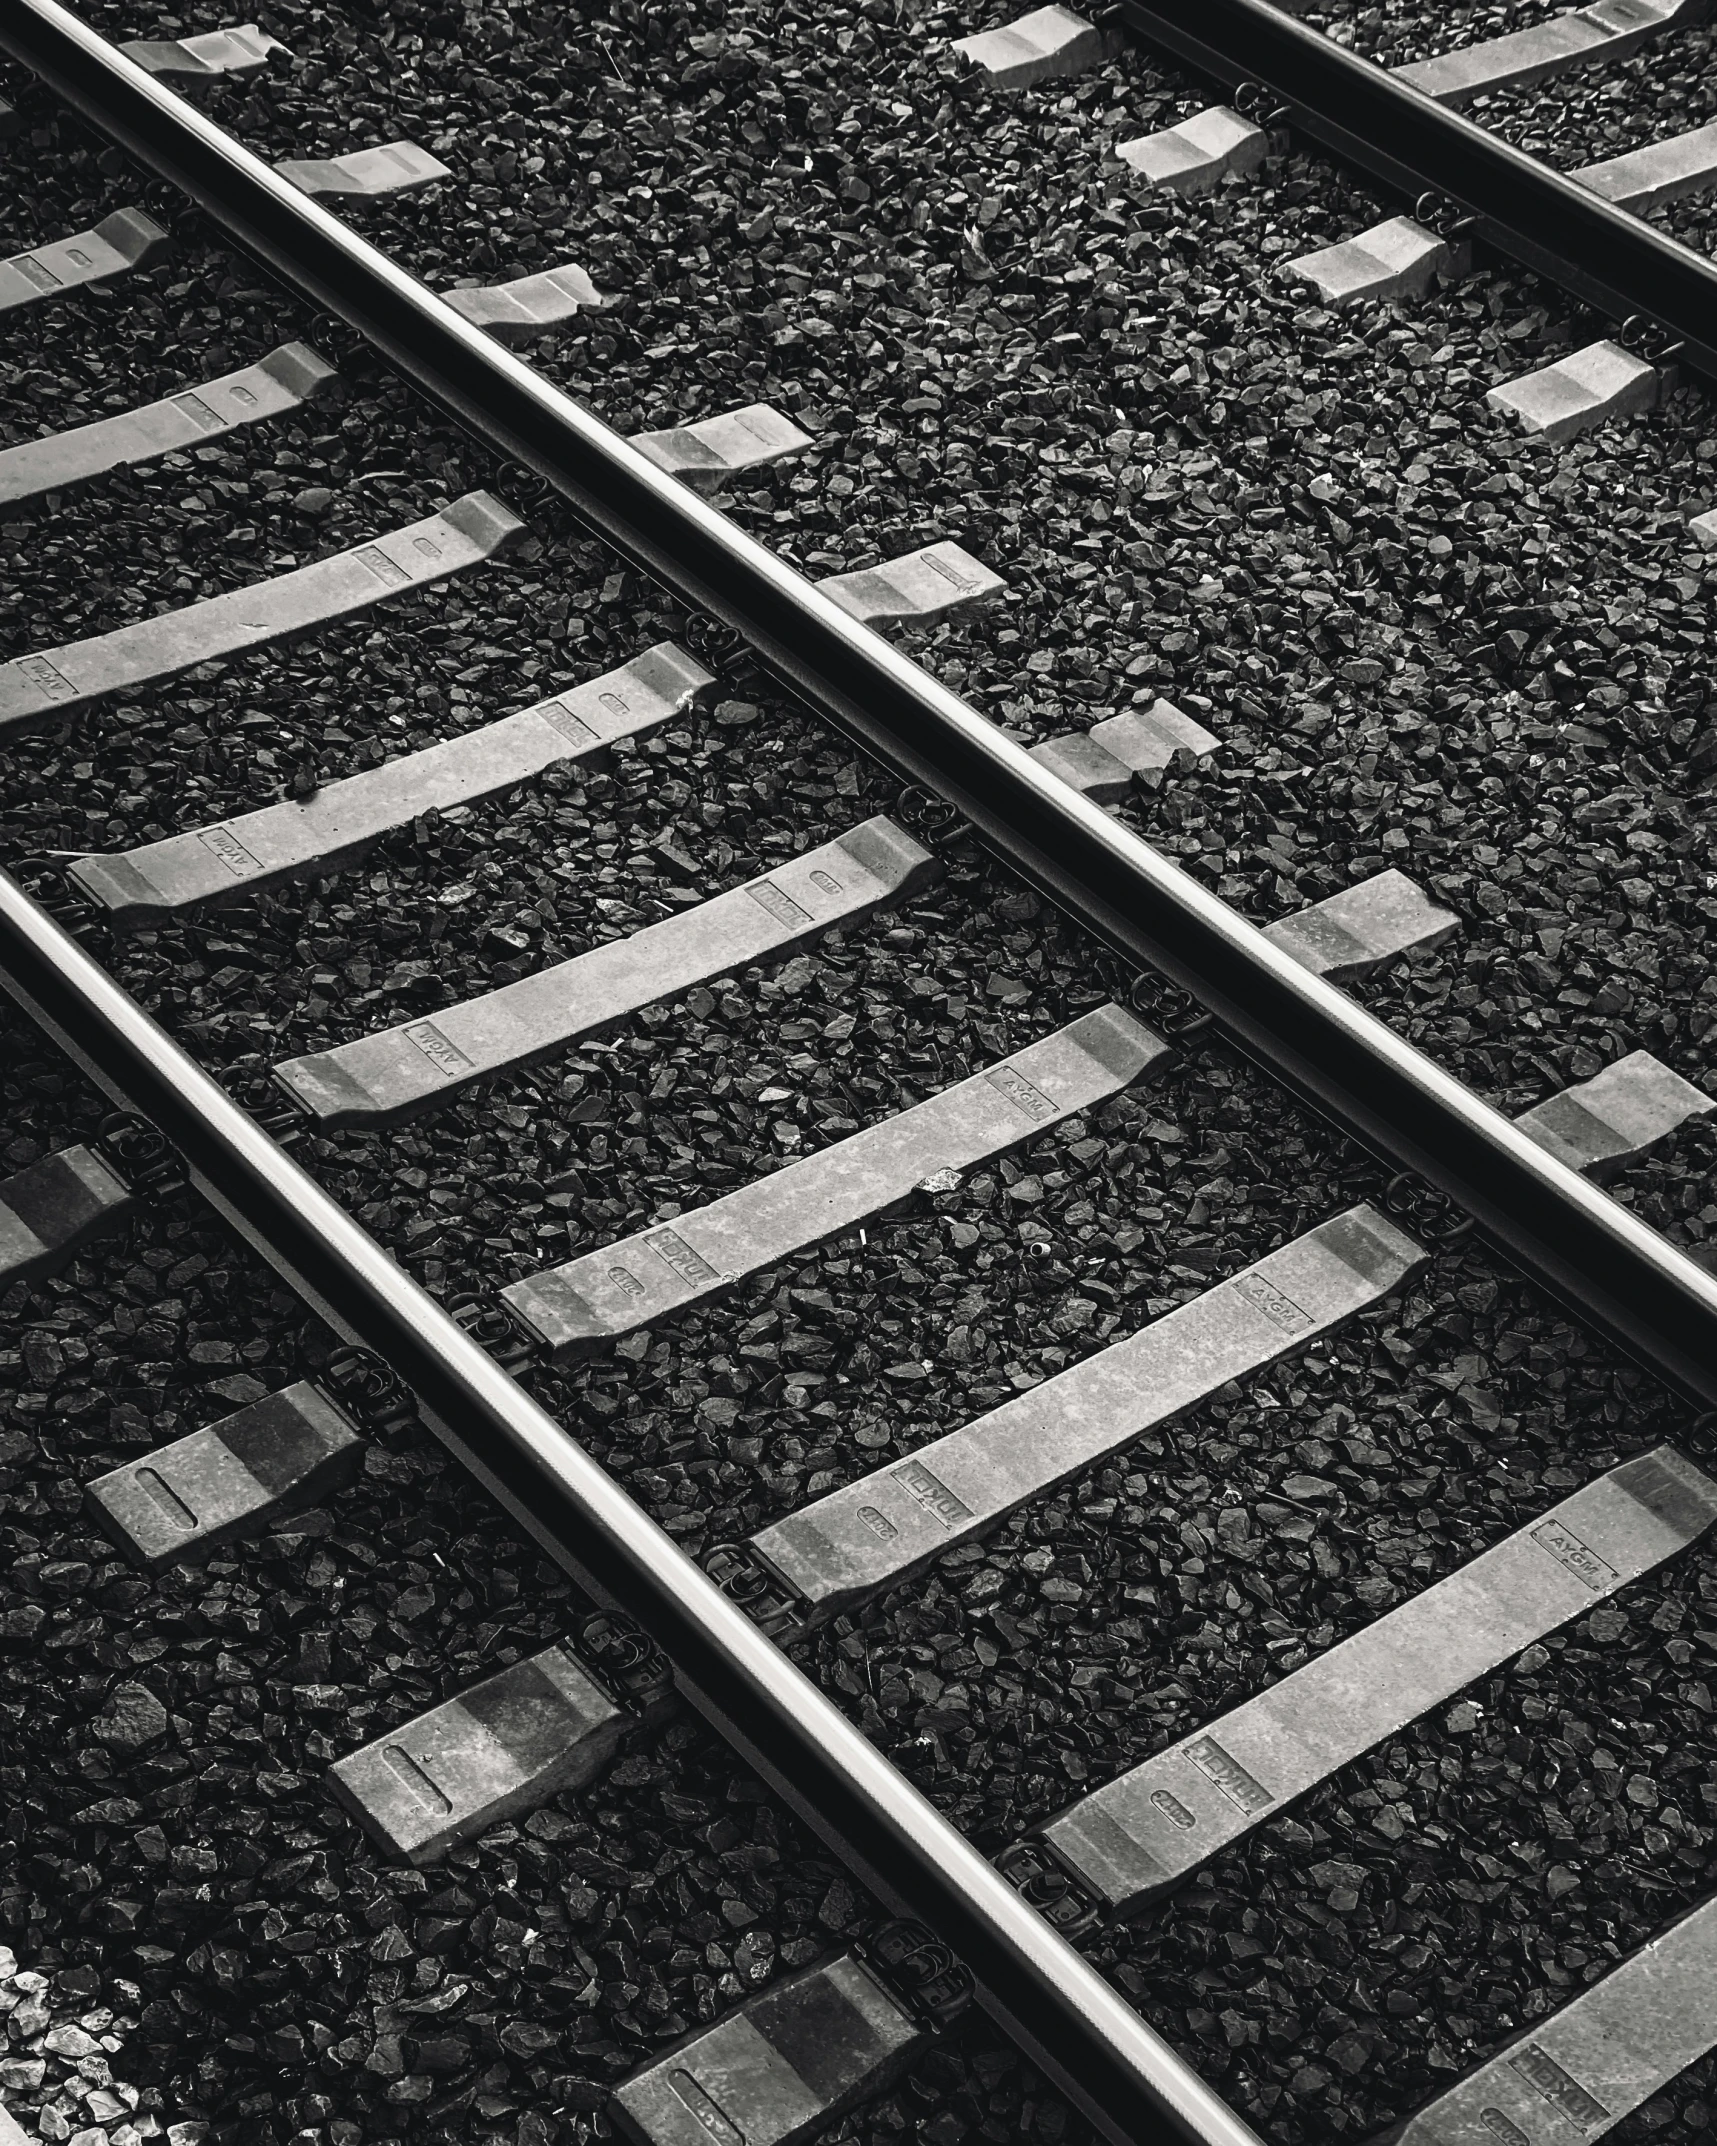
(269, 1459)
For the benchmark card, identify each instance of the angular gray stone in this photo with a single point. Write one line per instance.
(397, 1071)
(777, 2070)
(1199, 153)
(1358, 930)
(124, 241)
(1577, 392)
(54, 681)
(1147, 1832)
(364, 174)
(285, 380)
(336, 825)
(613, 1291)
(132, 1719)
(918, 586)
(884, 1526)
(1040, 47)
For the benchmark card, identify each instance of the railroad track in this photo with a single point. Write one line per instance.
(839, 1549)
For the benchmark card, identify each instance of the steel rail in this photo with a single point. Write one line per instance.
(1621, 1276)
(1613, 260)
(1618, 1274)
(1062, 2012)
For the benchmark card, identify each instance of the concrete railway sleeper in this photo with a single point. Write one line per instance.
(834, 2034)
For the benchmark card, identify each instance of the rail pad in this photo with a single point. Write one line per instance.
(400, 1070)
(778, 2069)
(472, 529)
(50, 1211)
(885, 1526)
(1039, 47)
(238, 51)
(119, 243)
(715, 450)
(342, 820)
(1575, 2075)
(1142, 1835)
(365, 174)
(285, 380)
(1198, 154)
(529, 305)
(277, 1456)
(602, 1295)
(917, 587)
(1610, 30)
(1363, 927)
(1587, 388)
(1601, 1124)
(505, 1745)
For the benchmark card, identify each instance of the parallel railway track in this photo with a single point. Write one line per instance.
(1267, 993)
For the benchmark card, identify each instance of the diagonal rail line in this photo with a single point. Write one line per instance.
(1060, 2010)
(1615, 1271)
(1368, 116)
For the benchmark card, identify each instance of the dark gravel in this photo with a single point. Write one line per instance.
(1423, 643)
(204, 1945)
